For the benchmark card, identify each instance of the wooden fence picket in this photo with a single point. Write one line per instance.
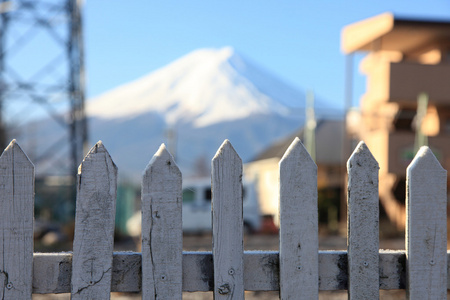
(363, 229)
(163, 271)
(94, 226)
(228, 247)
(426, 227)
(16, 215)
(162, 237)
(299, 240)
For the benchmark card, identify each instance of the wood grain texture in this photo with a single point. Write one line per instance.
(16, 217)
(162, 233)
(299, 233)
(363, 228)
(94, 226)
(426, 227)
(52, 271)
(227, 220)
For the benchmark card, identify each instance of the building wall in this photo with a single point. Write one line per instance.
(266, 176)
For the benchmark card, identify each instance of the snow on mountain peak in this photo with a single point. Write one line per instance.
(204, 87)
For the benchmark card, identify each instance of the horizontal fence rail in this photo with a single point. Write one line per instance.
(163, 270)
(261, 271)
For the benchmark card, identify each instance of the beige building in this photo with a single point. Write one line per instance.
(265, 172)
(406, 57)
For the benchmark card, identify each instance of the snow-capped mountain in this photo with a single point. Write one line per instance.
(205, 87)
(201, 99)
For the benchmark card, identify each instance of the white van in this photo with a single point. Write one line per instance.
(197, 206)
(197, 216)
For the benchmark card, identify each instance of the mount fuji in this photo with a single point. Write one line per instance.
(193, 105)
(201, 99)
(205, 87)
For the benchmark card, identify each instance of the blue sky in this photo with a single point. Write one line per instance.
(298, 41)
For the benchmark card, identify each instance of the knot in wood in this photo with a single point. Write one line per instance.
(224, 289)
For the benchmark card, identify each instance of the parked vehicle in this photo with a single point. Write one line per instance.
(197, 206)
(197, 216)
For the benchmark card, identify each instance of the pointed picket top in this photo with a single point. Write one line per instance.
(162, 232)
(299, 236)
(14, 147)
(98, 149)
(227, 221)
(362, 156)
(426, 227)
(16, 223)
(162, 157)
(362, 170)
(425, 159)
(94, 225)
(363, 224)
(298, 153)
(226, 149)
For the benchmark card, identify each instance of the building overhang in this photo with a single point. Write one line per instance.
(390, 33)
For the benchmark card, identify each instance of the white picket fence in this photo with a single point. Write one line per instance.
(163, 270)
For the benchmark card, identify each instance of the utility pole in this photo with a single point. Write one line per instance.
(4, 8)
(421, 138)
(77, 123)
(42, 70)
(171, 135)
(310, 128)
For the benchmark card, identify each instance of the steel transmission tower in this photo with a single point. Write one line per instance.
(41, 75)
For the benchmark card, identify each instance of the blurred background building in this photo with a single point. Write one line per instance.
(407, 102)
(264, 170)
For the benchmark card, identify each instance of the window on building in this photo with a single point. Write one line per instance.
(404, 118)
(188, 195)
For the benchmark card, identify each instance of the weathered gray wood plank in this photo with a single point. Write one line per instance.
(426, 227)
(52, 271)
(299, 233)
(16, 217)
(162, 233)
(228, 247)
(94, 226)
(363, 229)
